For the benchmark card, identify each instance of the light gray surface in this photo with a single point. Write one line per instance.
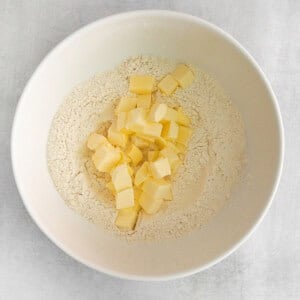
(267, 266)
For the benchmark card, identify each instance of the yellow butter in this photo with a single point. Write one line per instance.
(184, 135)
(141, 84)
(168, 85)
(157, 112)
(173, 146)
(153, 155)
(158, 188)
(170, 130)
(144, 101)
(111, 187)
(152, 130)
(183, 75)
(170, 155)
(141, 174)
(182, 118)
(150, 204)
(126, 104)
(135, 154)
(105, 158)
(126, 219)
(170, 115)
(139, 142)
(121, 178)
(125, 198)
(160, 142)
(136, 119)
(95, 140)
(116, 137)
(160, 168)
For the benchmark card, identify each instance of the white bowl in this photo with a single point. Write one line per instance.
(101, 46)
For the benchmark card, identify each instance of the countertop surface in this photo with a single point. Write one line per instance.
(267, 266)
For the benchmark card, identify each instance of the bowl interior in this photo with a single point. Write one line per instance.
(101, 46)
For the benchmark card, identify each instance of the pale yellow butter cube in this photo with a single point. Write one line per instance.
(116, 137)
(111, 187)
(141, 84)
(175, 166)
(126, 104)
(152, 129)
(182, 118)
(160, 168)
(95, 140)
(121, 122)
(126, 218)
(121, 177)
(153, 155)
(105, 158)
(158, 188)
(170, 115)
(135, 154)
(183, 75)
(170, 155)
(173, 147)
(170, 130)
(168, 85)
(157, 112)
(141, 174)
(146, 138)
(139, 142)
(181, 148)
(184, 135)
(136, 119)
(137, 193)
(150, 204)
(124, 157)
(144, 101)
(160, 142)
(125, 198)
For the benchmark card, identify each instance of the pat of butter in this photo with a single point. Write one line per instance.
(182, 118)
(141, 174)
(105, 158)
(116, 137)
(139, 142)
(126, 218)
(144, 101)
(125, 198)
(135, 154)
(170, 115)
(121, 178)
(170, 155)
(152, 129)
(157, 112)
(158, 188)
(168, 85)
(141, 84)
(184, 135)
(153, 155)
(160, 168)
(95, 140)
(170, 130)
(150, 204)
(126, 104)
(136, 119)
(183, 75)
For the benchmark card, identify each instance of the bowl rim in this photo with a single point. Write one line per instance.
(159, 13)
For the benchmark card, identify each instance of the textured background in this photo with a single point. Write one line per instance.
(267, 266)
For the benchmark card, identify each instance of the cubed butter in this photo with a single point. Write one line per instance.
(124, 157)
(121, 178)
(139, 142)
(105, 158)
(173, 147)
(184, 135)
(158, 188)
(182, 118)
(170, 155)
(168, 85)
(157, 112)
(144, 101)
(152, 129)
(126, 218)
(125, 198)
(121, 122)
(175, 166)
(136, 119)
(170, 130)
(141, 84)
(135, 154)
(111, 187)
(141, 174)
(95, 140)
(180, 147)
(170, 115)
(116, 137)
(126, 104)
(153, 155)
(160, 168)
(160, 142)
(183, 75)
(150, 204)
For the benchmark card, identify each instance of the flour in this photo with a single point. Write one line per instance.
(203, 184)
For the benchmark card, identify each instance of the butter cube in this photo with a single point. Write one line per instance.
(121, 122)
(160, 142)
(183, 75)
(168, 85)
(124, 157)
(182, 118)
(121, 178)
(180, 147)
(111, 187)
(126, 104)
(173, 147)
(105, 158)
(125, 198)
(137, 193)
(146, 138)
(170, 115)
(153, 155)
(139, 142)
(160, 168)
(130, 170)
(126, 218)
(95, 140)
(141, 84)
(184, 135)
(170, 155)
(116, 137)
(144, 101)
(135, 154)
(158, 188)
(152, 129)
(175, 166)
(157, 112)
(141, 174)
(170, 130)
(150, 204)
(136, 119)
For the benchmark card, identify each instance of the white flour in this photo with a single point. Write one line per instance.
(202, 186)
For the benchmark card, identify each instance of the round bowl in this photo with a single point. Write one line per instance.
(101, 46)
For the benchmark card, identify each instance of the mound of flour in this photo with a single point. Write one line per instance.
(203, 184)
